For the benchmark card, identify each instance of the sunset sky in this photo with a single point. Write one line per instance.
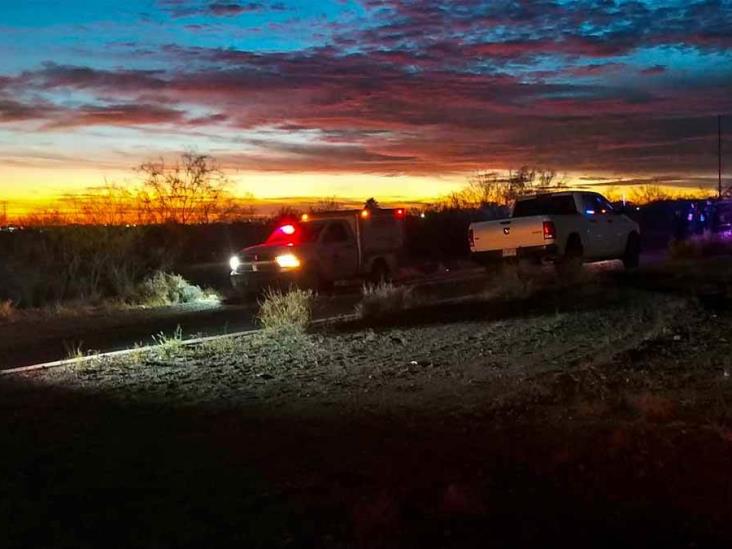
(396, 99)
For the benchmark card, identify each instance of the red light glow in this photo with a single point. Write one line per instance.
(288, 229)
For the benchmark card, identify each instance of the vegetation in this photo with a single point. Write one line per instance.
(380, 300)
(161, 289)
(488, 188)
(286, 313)
(191, 190)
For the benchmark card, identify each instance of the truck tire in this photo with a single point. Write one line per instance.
(570, 264)
(313, 280)
(631, 257)
(379, 272)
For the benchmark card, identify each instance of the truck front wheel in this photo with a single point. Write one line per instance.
(379, 272)
(631, 257)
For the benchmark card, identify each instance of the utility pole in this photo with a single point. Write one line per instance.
(719, 154)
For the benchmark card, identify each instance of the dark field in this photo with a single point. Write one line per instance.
(594, 414)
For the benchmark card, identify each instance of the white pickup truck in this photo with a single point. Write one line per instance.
(567, 228)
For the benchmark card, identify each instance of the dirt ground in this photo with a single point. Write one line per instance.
(586, 414)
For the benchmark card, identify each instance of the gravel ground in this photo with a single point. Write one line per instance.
(585, 416)
(452, 365)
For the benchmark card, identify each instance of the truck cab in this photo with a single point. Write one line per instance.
(321, 249)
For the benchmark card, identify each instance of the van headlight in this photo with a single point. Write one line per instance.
(234, 263)
(287, 261)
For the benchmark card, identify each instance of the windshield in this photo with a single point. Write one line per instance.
(296, 233)
(545, 205)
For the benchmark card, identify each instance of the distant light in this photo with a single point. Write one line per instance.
(590, 212)
(365, 213)
(422, 215)
(288, 229)
(304, 217)
(234, 263)
(400, 212)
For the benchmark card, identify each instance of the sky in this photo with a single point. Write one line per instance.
(397, 99)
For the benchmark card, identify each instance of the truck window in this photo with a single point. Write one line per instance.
(596, 205)
(545, 205)
(336, 233)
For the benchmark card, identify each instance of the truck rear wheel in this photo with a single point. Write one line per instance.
(570, 264)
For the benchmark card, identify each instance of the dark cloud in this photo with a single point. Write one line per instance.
(430, 86)
(117, 115)
(216, 8)
(15, 111)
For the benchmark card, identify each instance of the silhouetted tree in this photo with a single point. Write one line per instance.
(193, 190)
(646, 194)
(371, 204)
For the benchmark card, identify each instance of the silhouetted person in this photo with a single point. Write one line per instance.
(679, 225)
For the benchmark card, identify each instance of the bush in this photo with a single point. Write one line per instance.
(383, 299)
(162, 289)
(44, 266)
(286, 312)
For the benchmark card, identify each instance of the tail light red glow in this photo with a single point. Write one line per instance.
(400, 212)
(288, 229)
(550, 231)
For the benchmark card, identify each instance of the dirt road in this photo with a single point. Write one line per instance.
(52, 338)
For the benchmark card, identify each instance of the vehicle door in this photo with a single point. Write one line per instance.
(618, 229)
(598, 239)
(339, 252)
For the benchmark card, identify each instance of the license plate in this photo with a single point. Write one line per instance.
(509, 252)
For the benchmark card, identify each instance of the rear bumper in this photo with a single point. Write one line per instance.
(548, 252)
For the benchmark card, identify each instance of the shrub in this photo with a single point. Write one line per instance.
(162, 289)
(379, 300)
(286, 312)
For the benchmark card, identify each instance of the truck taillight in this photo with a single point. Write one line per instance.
(550, 231)
(471, 238)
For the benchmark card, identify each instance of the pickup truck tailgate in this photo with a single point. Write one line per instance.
(508, 234)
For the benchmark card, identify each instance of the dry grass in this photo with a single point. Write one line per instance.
(383, 299)
(511, 282)
(161, 289)
(287, 312)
